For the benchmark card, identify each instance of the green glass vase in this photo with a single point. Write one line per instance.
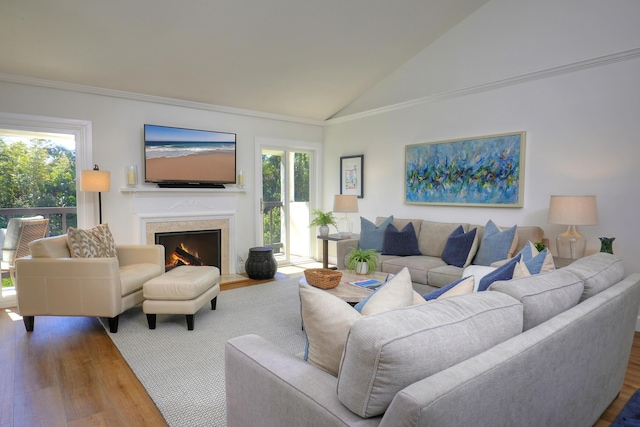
(606, 244)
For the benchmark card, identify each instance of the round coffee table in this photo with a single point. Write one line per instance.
(352, 294)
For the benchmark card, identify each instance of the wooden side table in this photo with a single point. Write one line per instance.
(325, 246)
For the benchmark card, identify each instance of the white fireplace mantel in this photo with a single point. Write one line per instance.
(157, 191)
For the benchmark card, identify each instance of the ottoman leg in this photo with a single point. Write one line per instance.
(190, 322)
(213, 303)
(151, 319)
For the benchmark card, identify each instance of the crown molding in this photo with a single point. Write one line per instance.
(92, 90)
(510, 81)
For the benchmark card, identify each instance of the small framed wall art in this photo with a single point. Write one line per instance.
(352, 175)
(483, 171)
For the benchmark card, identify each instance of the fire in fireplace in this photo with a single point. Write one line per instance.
(201, 247)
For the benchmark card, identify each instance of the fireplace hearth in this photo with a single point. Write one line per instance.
(199, 247)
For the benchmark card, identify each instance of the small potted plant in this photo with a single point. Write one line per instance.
(362, 261)
(540, 246)
(323, 220)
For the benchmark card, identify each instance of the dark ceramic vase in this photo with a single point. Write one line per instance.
(606, 244)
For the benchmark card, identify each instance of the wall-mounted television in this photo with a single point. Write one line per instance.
(178, 157)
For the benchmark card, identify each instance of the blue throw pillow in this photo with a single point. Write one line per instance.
(503, 273)
(495, 244)
(400, 243)
(436, 294)
(534, 265)
(533, 259)
(372, 236)
(459, 249)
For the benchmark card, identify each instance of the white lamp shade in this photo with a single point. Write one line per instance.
(95, 181)
(345, 203)
(573, 210)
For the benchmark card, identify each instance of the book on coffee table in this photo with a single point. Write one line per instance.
(366, 283)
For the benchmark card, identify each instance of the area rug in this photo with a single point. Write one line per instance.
(183, 371)
(630, 414)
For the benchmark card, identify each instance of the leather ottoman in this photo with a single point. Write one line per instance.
(182, 290)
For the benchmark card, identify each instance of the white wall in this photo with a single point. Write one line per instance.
(487, 76)
(117, 124)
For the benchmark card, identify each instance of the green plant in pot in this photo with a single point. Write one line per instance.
(362, 261)
(323, 220)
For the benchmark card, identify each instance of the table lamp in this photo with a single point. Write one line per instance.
(572, 211)
(345, 203)
(95, 181)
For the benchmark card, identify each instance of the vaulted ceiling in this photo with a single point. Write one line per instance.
(300, 58)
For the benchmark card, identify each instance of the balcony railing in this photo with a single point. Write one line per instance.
(272, 232)
(59, 218)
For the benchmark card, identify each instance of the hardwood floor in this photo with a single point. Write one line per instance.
(69, 373)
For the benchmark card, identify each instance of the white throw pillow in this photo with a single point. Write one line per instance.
(327, 319)
(478, 272)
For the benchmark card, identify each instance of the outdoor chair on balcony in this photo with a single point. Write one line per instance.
(16, 238)
(52, 282)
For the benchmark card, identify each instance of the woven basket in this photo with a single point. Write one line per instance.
(322, 278)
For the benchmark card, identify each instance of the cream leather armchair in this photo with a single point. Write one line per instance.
(51, 283)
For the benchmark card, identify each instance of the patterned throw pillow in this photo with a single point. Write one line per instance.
(96, 242)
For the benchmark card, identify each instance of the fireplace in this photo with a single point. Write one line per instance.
(198, 247)
(152, 224)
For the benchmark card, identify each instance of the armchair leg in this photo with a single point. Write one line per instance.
(213, 303)
(28, 322)
(189, 322)
(113, 324)
(151, 320)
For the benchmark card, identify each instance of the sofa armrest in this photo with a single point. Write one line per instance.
(68, 286)
(269, 387)
(141, 254)
(343, 247)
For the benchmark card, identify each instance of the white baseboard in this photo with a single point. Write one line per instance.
(638, 324)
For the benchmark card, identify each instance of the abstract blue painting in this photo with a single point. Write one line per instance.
(483, 171)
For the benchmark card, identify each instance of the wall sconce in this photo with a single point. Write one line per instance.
(572, 211)
(95, 181)
(345, 203)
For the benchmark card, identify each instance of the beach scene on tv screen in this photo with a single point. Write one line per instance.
(175, 154)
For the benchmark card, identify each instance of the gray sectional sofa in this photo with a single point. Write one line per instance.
(428, 270)
(545, 350)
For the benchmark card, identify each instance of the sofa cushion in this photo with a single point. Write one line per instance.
(327, 319)
(459, 287)
(501, 273)
(50, 247)
(395, 293)
(461, 247)
(433, 236)
(372, 235)
(598, 272)
(400, 243)
(418, 265)
(443, 275)
(495, 245)
(389, 351)
(543, 296)
(96, 242)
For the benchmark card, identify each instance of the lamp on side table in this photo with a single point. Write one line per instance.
(572, 211)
